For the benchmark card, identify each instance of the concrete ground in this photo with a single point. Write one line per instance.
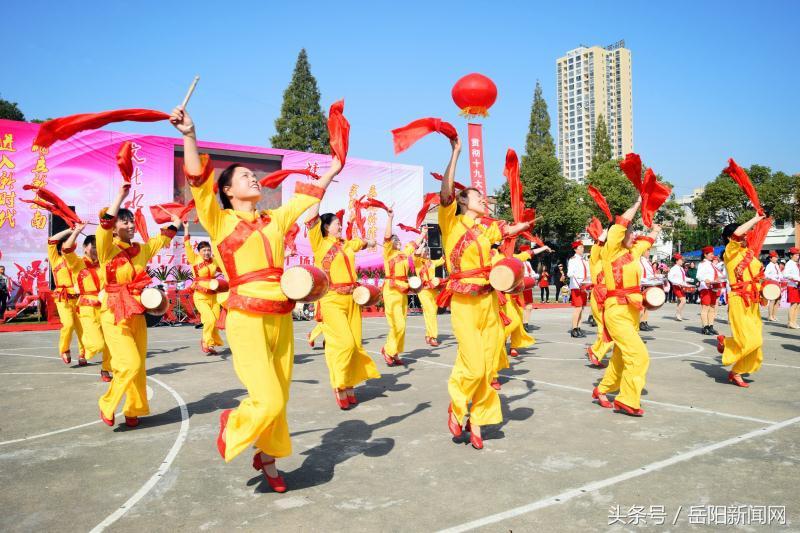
(706, 452)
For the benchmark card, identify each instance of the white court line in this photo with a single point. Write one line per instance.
(625, 476)
(29, 355)
(50, 346)
(162, 469)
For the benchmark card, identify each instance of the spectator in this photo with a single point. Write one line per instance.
(544, 285)
(691, 272)
(560, 278)
(5, 290)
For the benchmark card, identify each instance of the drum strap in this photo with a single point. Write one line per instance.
(62, 291)
(622, 296)
(453, 284)
(327, 263)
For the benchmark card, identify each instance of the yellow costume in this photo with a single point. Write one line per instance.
(250, 246)
(627, 369)
(600, 347)
(348, 362)
(395, 296)
(743, 350)
(66, 298)
(204, 298)
(124, 275)
(316, 332)
(426, 270)
(475, 315)
(87, 275)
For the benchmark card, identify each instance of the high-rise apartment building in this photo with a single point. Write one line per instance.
(593, 80)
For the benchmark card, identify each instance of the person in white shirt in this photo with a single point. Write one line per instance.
(708, 276)
(677, 278)
(792, 275)
(723, 276)
(773, 272)
(648, 276)
(579, 279)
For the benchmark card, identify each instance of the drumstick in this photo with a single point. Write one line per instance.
(189, 92)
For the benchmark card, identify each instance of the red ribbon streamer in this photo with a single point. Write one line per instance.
(63, 128)
(431, 199)
(741, 178)
(338, 131)
(409, 228)
(406, 136)
(52, 203)
(125, 160)
(140, 224)
(601, 202)
(595, 228)
(458, 186)
(161, 212)
(274, 179)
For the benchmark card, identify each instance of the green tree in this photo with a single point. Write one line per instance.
(10, 111)
(302, 124)
(601, 149)
(560, 202)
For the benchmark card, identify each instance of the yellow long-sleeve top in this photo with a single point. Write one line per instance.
(204, 271)
(426, 269)
(337, 257)
(596, 263)
(87, 275)
(250, 245)
(395, 265)
(744, 270)
(466, 245)
(124, 266)
(62, 274)
(621, 271)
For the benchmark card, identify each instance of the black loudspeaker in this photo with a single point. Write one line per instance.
(57, 225)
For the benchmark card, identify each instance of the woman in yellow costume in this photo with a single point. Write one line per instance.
(65, 297)
(597, 351)
(124, 271)
(474, 309)
(87, 276)
(743, 349)
(627, 369)
(348, 362)
(425, 267)
(316, 331)
(395, 291)
(250, 245)
(204, 268)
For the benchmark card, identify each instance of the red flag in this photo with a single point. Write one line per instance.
(632, 167)
(743, 181)
(601, 202)
(62, 128)
(52, 203)
(274, 179)
(654, 194)
(372, 202)
(431, 199)
(161, 212)
(757, 235)
(125, 160)
(595, 228)
(338, 131)
(289, 239)
(409, 228)
(140, 224)
(406, 136)
(456, 185)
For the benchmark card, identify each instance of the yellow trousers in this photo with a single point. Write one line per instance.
(479, 332)
(263, 357)
(93, 340)
(68, 314)
(127, 343)
(600, 348)
(519, 337)
(317, 331)
(744, 349)
(207, 306)
(430, 311)
(348, 363)
(395, 305)
(627, 368)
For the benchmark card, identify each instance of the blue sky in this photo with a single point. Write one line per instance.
(710, 79)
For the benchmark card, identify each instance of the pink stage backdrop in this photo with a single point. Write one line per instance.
(83, 172)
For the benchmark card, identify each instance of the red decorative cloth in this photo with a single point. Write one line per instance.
(409, 228)
(653, 193)
(757, 235)
(62, 128)
(407, 135)
(600, 200)
(595, 228)
(741, 178)
(274, 179)
(431, 199)
(338, 131)
(161, 212)
(120, 297)
(372, 202)
(51, 202)
(289, 239)
(141, 224)
(125, 160)
(458, 186)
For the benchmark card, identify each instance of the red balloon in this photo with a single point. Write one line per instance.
(474, 94)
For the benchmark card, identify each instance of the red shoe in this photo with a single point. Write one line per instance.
(737, 380)
(206, 349)
(310, 340)
(352, 399)
(434, 342)
(602, 399)
(107, 421)
(223, 422)
(66, 357)
(344, 405)
(389, 360)
(495, 384)
(721, 343)
(82, 360)
(398, 361)
(513, 353)
(454, 427)
(105, 376)
(427, 340)
(476, 441)
(277, 483)
(131, 421)
(593, 360)
(620, 407)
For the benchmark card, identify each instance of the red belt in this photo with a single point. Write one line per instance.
(454, 286)
(121, 299)
(203, 290)
(343, 288)
(622, 296)
(252, 303)
(748, 291)
(61, 293)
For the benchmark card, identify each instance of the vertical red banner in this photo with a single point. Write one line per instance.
(476, 171)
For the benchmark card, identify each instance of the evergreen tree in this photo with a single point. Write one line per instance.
(302, 124)
(10, 111)
(601, 149)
